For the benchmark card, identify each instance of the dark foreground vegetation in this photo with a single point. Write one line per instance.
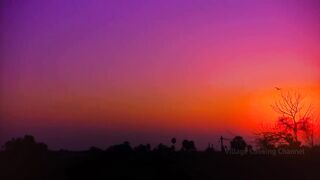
(25, 159)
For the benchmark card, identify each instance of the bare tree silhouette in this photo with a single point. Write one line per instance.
(295, 121)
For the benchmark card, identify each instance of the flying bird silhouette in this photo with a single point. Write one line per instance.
(277, 88)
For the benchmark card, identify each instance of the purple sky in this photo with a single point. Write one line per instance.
(81, 73)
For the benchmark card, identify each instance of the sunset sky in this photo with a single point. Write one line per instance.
(81, 73)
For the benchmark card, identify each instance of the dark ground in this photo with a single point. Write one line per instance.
(98, 164)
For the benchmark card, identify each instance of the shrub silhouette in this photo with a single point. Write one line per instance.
(210, 148)
(26, 145)
(143, 148)
(238, 143)
(173, 141)
(162, 148)
(188, 146)
(123, 148)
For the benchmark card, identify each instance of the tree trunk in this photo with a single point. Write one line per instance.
(295, 132)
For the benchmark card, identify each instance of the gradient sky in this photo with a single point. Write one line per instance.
(81, 73)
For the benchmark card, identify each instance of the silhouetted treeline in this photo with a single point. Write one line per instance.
(24, 158)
